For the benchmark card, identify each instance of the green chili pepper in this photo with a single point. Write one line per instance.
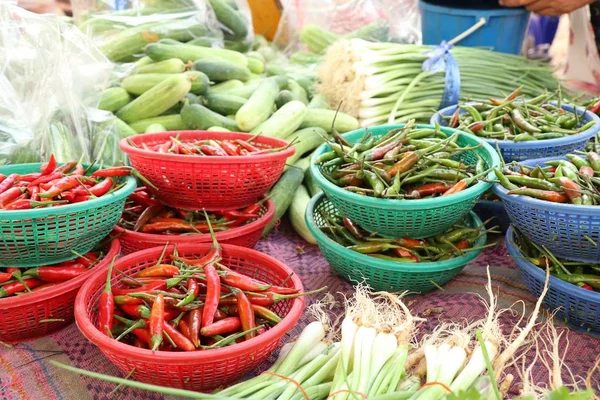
(578, 161)
(375, 182)
(504, 180)
(532, 182)
(472, 112)
(522, 123)
(590, 279)
(372, 247)
(524, 137)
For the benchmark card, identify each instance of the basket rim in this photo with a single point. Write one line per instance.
(105, 343)
(533, 144)
(24, 300)
(436, 266)
(540, 275)
(130, 185)
(417, 204)
(224, 235)
(181, 158)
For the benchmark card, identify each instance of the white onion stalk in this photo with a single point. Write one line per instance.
(349, 329)
(312, 353)
(475, 367)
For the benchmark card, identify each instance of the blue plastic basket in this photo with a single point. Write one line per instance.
(568, 231)
(504, 28)
(487, 209)
(579, 307)
(521, 151)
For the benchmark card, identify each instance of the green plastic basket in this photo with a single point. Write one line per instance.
(382, 274)
(408, 218)
(51, 235)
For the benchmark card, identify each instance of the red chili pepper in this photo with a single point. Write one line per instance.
(476, 126)
(178, 338)
(55, 274)
(352, 228)
(547, 195)
(429, 189)
(586, 171)
(14, 287)
(64, 184)
(66, 167)
(136, 310)
(166, 270)
(106, 305)
(242, 281)
(45, 286)
(245, 312)
(120, 300)
(34, 193)
(230, 148)
(148, 214)
(102, 188)
(8, 182)
(226, 325)
(463, 244)
(143, 198)
(5, 276)
(409, 159)
(29, 177)
(143, 335)
(49, 167)
(283, 290)
(595, 108)
(157, 320)
(212, 150)
(184, 328)
(160, 285)
(247, 146)
(88, 259)
(2, 178)
(78, 170)
(455, 118)
(112, 172)
(571, 189)
(27, 204)
(213, 293)
(45, 179)
(458, 187)
(195, 323)
(585, 285)
(10, 195)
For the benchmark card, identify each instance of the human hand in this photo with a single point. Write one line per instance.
(551, 8)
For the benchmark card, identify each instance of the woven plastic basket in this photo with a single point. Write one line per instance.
(50, 235)
(579, 307)
(567, 230)
(521, 151)
(407, 218)
(20, 316)
(383, 274)
(210, 182)
(245, 236)
(198, 370)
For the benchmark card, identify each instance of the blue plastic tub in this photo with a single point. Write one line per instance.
(577, 306)
(504, 29)
(534, 149)
(568, 231)
(486, 209)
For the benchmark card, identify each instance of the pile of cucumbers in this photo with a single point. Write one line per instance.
(188, 86)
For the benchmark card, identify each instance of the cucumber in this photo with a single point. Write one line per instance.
(298, 91)
(245, 91)
(169, 122)
(308, 84)
(274, 69)
(195, 116)
(285, 120)
(144, 61)
(256, 55)
(282, 194)
(224, 104)
(255, 65)
(324, 119)
(237, 45)
(140, 83)
(227, 85)
(230, 17)
(285, 96)
(310, 183)
(318, 101)
(113, 99)
(170, 41)
(259, 106)
(192, 98)
(156, 100)
(201, 41)
(155, 128)
(218, 129)
(188, 52)
(305, 140)
(303, 163)
(170, 66)
(282, 81)
(297, 214)
(306, 58)
(221, 70)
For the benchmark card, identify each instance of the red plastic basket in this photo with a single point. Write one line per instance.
(245, 236)
(210, 182)
(198, 370)
(20, 316)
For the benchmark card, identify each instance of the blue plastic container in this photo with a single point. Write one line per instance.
(534, 149)
(579, 307)
(568, 231)
(486, 209)
(504, 29)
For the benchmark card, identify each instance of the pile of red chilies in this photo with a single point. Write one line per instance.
(58, 185)
(19, 281)
(189, 304)
(221, 148)
(143, 213)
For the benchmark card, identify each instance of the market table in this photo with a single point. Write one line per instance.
(26, 374)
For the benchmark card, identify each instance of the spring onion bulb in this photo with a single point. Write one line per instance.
(361, 75)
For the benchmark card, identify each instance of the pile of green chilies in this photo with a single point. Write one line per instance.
(563, 181)
(406, 163)
(452, 243)
(518, 120)
(385, 82)
(584, 275)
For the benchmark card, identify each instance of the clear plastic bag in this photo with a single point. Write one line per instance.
(235, 21)
(122, 29)
(314, 24)
(50, 73)
(106, 134)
